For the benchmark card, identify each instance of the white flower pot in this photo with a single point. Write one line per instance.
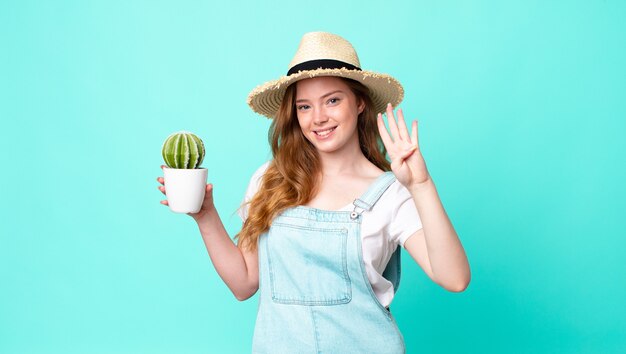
(185, 188)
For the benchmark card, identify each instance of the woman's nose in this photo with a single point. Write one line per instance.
(320, 117)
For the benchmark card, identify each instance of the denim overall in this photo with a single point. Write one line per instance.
(315, 296)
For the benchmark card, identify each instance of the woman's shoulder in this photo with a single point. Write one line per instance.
(256, 178)
(395, 194)
(261, 170)
(253, 187)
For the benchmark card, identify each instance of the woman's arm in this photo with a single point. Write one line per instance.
(436, 247)
(440, 244)
(237, 268)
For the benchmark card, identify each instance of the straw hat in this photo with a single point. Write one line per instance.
(325, 54)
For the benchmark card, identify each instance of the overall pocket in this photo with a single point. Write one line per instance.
(308, 265)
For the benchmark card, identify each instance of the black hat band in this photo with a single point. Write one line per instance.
(321, 64)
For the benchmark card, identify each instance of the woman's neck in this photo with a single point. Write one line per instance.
(347, 162)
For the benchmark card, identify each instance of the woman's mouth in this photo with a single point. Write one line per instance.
(324, 133)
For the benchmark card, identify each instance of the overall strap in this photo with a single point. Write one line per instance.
(366, 203)
(374, 192)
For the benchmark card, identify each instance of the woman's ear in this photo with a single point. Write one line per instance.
(361, 105)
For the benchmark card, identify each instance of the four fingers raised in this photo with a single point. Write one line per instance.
(398, 130)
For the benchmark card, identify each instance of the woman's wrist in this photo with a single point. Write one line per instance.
(204, 216)
(419, 188)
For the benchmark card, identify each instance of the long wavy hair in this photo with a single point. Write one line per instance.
(292, 177)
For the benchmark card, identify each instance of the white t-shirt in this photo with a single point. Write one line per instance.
(392, 220)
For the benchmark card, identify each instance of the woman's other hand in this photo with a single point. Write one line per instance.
(407, 162)
(207, 203)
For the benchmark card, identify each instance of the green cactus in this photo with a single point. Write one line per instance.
(183, 150)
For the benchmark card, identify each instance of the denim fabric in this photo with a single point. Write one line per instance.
(315, 296)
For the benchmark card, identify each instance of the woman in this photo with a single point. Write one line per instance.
(323, 220)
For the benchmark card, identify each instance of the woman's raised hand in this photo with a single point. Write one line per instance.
(207, 203)
(407, 162)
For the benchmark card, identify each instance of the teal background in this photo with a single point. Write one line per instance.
(522, 110)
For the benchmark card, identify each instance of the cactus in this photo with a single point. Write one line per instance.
(183, 150)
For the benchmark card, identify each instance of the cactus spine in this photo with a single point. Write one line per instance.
(183, 150)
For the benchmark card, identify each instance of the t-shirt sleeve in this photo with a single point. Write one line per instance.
(253, 187)
(405, 218)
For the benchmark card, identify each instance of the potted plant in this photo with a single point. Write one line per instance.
(184, 179)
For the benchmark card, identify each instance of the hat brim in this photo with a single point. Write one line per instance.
(265, 98)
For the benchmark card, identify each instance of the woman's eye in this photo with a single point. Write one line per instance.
(333, 100)
(302, 107)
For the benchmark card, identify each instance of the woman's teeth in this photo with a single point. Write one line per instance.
(324, 132)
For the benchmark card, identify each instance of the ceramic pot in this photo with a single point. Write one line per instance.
(185, 188)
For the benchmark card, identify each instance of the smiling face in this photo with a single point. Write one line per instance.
(327, 112)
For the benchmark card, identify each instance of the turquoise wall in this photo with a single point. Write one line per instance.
(522, 108)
